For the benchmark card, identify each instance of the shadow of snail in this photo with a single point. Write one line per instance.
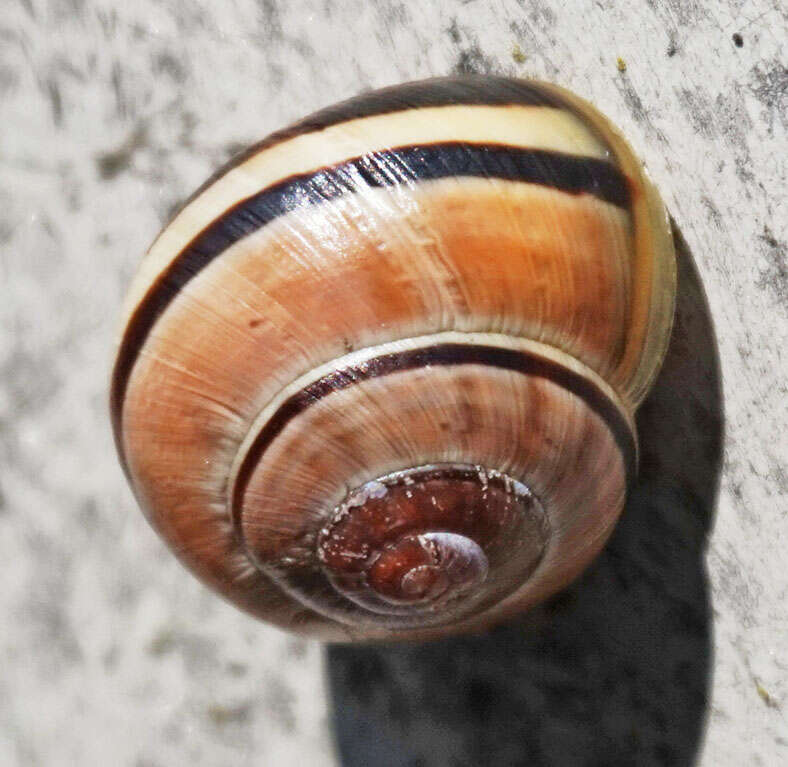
(615, 670)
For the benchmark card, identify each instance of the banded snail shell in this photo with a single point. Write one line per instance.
(377, 377)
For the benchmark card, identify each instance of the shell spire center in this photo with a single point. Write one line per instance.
(430, 542)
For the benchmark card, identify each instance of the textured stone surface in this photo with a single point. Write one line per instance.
(674, 646)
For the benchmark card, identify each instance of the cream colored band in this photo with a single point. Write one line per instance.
(534, 127)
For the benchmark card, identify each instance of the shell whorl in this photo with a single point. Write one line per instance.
(429, 284)
(417, 546)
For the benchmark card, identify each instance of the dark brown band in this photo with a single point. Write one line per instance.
(526, 362)
(567, 173)
(468, 90)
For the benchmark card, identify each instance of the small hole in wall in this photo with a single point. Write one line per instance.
(738, 40)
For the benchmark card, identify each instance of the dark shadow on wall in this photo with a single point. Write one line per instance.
(613, 671)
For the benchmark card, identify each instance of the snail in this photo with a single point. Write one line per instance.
(376, 379)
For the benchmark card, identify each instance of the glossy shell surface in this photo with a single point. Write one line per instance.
(472, 274)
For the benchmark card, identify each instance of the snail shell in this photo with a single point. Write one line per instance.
(377, 377)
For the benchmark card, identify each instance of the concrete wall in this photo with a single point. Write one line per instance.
(672, 649)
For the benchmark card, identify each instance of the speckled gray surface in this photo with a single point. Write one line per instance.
(673, 649)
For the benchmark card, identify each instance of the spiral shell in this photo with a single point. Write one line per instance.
(377, 377)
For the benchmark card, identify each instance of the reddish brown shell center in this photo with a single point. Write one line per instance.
(423, 568)
(426, 539)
